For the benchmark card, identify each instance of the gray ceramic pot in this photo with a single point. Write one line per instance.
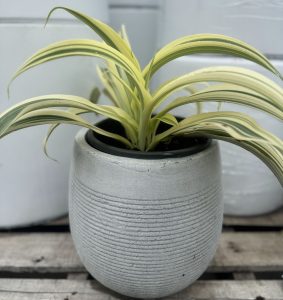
(145, 228)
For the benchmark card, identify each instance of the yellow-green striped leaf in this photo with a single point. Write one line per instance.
(207, 43)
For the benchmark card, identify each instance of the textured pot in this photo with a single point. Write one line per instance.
(145, 228)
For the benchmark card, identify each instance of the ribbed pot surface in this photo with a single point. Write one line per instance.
(145, 228)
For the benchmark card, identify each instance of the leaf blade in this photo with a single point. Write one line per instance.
(235, 128)
(208, 43)
(111, 37)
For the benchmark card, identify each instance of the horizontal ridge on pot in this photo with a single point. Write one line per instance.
(145, 228)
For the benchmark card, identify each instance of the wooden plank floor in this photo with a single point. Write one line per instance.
(41, 263)
(27, 289)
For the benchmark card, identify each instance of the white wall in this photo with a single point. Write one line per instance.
(140, 18)
(258, 22)
(33, 188)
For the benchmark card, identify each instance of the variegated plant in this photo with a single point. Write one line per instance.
(140, 111)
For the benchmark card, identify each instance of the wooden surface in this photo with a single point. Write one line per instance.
(271, 220)
(23, 289)
(41, 263)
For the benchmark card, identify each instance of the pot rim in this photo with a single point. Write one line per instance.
(97, 144)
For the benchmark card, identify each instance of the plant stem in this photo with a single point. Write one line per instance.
(143, 127)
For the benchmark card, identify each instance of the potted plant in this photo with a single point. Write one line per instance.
(145, 190)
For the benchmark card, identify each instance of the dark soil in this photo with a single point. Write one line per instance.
(175, 147)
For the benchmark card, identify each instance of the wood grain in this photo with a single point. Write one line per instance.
(24, 289)
(249, 251)
(244, 276)
(54, 252)
(40, 252)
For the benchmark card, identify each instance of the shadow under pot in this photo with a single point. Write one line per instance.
(145, 225)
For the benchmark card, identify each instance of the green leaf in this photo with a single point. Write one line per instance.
(226, 93)
(236, 128)
(232, 75)
(168, 119)
(8, 117)
(192, 89)
(108, 88)
(84, 47)
(124, 93)
(94, 95)
(53, 116)
(207, 43)
(125, 37)
(52, 128)
(110, 37)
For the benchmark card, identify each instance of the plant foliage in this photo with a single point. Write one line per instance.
(140, 111)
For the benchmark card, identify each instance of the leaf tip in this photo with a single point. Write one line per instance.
(46, 152)
(50, 13)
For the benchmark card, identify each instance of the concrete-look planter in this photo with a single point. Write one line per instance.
(145, 228)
